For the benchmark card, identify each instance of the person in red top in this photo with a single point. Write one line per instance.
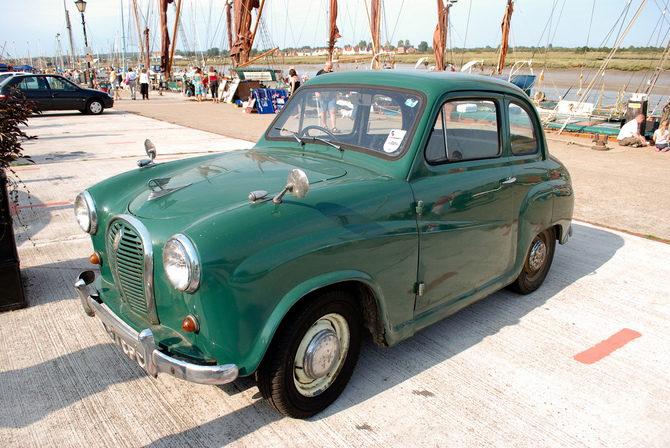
(213, 78)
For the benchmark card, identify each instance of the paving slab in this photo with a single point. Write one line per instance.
(499, 373)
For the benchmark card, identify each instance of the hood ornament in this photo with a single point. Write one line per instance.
(157, 190)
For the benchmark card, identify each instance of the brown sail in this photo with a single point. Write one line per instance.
(239, 51)
(505, 35)
(334, 32)
(440, 36)
(165, 38)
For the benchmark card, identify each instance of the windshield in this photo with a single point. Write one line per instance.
(371, 120)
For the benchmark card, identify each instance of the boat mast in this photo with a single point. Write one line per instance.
(440, 34)
(69, 33)
(258, 20)
(505, 35)
(168, 73)
(374, 23)
(139, 31)
(123, 31)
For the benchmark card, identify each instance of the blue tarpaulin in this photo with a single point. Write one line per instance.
(23, 68)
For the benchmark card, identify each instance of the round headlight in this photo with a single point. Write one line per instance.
(181, 263)
(85, 212)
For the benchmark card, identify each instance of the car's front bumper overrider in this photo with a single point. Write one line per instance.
(141, 348)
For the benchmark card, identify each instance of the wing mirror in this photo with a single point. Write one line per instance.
(297, 184)
(150, 148)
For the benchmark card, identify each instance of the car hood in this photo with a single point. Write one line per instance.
(222, 181)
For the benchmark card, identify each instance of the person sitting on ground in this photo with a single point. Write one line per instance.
(629, 135)
(661, 137)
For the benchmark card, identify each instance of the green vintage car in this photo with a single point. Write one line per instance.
(410, 195)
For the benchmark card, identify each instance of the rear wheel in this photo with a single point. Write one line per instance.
(537, 264)
(312, 356)
(95, 107)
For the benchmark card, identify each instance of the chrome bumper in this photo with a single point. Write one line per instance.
(140, 347)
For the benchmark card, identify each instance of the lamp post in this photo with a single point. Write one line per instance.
(81, 6)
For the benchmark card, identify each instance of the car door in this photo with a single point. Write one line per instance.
(35, 89)
(65, 95)
(464, 197)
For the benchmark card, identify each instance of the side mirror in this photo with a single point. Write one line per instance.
(150, 149)
(297, 184)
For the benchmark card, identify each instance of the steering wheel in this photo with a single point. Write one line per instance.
(305, 131)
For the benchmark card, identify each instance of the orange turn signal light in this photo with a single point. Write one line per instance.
(94, 259)
(190, 324)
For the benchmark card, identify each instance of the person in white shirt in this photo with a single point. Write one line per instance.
(131, 81)
(144, 84)
(661, 137)
(629, 135)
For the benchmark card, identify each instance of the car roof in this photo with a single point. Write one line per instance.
(430, 82)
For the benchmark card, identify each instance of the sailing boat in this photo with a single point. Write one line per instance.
(524, 82)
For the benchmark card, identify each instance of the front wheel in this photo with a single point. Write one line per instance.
(537, 264)
(312, 356)
(95, 107)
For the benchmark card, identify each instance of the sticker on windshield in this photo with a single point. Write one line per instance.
(394, 140)
(411, 103)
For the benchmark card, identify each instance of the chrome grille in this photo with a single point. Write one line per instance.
(130, 258)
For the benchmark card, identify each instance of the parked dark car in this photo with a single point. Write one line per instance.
(434, 190)
(54, 92)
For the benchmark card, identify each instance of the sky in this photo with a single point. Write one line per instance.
(295, 23)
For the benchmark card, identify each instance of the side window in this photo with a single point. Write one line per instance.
(471, 131)
(33, 83)
(521, 130)
(60, 84)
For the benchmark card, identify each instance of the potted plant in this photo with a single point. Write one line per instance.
(14, 112)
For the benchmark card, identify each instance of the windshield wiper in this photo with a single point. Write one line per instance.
(328, 142)
(294, 134)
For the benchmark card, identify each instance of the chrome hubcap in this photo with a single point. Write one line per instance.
(96, 107)
(538, 253)
(321, 355)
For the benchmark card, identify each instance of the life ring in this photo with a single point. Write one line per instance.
(539, 97)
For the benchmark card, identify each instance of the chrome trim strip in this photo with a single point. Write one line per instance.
(148, 263)
(141, 347)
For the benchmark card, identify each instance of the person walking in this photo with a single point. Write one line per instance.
(131, 81)
(114, 83)
(144, 84)
(327, 101)
(213, 77)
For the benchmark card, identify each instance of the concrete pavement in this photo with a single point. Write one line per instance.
(500, 373)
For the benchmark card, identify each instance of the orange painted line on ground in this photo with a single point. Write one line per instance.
(51, 204)
(26, 169)
(606, 347)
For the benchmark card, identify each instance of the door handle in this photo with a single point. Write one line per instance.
(509, 180)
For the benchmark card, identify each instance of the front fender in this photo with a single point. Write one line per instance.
(293, 297)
